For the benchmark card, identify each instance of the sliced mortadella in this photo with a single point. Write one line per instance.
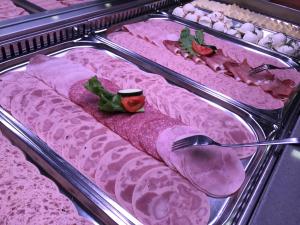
(216, 171)
(110, 165)
(161, 197)
(128, 177)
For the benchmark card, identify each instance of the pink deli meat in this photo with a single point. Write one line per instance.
(149, 132)
(183, 105)
(8, 10)
(27, 197)
(56, 4)
(99, 145)
(160, 30)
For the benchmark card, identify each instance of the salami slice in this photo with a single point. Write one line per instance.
(128, 177)
(161, 197)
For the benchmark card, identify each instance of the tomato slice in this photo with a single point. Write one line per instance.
(202, 50)
(133, 103)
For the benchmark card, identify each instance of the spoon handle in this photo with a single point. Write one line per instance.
(261, 143)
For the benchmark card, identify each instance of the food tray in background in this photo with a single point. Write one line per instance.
(272, 115)
(265, 32)
(221, 209)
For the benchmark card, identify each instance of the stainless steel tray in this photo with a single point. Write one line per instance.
(222, 210)
(238, 22)
(274, 116)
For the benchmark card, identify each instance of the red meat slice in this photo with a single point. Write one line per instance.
(161, 198)
(128, 177)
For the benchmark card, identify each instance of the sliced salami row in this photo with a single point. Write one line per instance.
(118, 168)
(27, 197)
(181, 104)
(145, 130)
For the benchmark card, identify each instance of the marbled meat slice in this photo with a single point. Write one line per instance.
(128, 178)
(160, 197)
(110, 166)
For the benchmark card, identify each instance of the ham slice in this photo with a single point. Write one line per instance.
(8, 10)
(216, 171)
(161, 198)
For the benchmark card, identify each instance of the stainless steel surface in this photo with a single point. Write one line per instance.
(267, 67)
(202, 140)
(50, 28)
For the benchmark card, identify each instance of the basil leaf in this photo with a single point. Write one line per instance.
(186, 40)
(108, 101)
(199, 37)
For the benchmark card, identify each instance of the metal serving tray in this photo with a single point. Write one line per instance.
(231, 209)
(239, 23)
(274, 116)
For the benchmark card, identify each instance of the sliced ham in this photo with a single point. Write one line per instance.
(161, 198)
(216, 171)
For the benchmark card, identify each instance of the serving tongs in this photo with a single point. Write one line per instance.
(202, 140)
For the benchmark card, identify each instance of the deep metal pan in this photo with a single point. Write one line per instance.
(223, 210)
(274, 116)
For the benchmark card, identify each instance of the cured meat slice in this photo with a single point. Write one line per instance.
(51, 76)
(110, 166)
(161, 198)
(216, 171)
(128, 177)
(8, 10)
(95, 148)
(183, 105)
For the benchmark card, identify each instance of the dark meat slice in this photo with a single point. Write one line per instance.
(161, 198)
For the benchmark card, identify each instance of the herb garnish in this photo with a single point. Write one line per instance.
(186, 42)
(108, 102)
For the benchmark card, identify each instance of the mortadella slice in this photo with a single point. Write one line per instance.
(161, 198)
(128, 177)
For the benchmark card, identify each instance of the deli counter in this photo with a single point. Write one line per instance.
(94, 96)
